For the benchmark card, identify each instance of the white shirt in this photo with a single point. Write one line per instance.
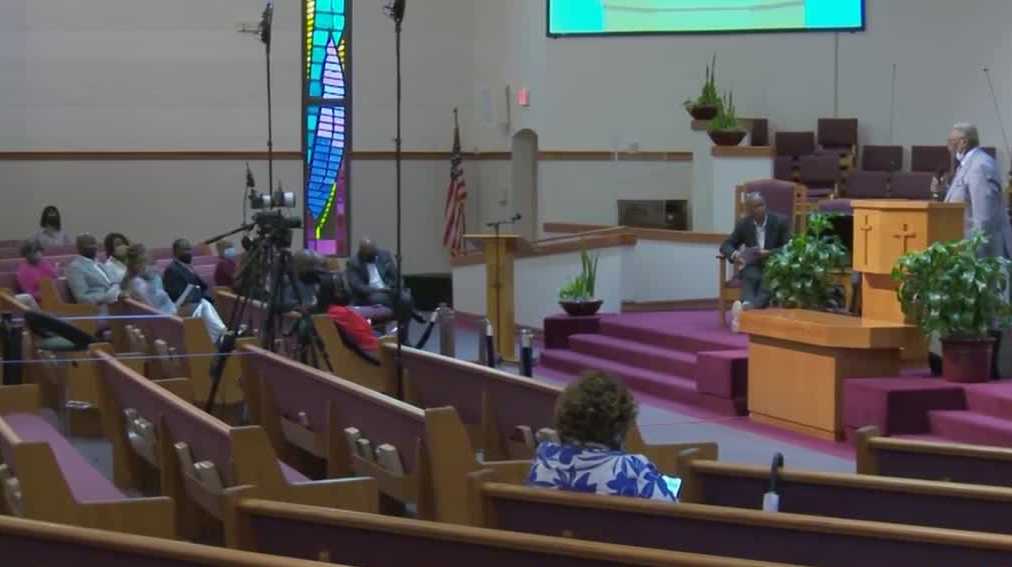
(760, 234)
(375, 281)
(115, 269)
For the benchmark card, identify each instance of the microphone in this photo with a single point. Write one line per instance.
(395, 9)
(771, 500)
(250, 182)
(266, 21)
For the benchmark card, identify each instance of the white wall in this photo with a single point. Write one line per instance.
(607, 93)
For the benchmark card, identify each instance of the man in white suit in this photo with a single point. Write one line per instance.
(87, 280)
(975, 181)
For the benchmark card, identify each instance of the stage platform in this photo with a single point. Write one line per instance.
(688, 358)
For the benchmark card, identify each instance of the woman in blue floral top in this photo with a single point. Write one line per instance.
(592, 417)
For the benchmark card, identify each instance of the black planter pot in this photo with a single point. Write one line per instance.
(967, 360)
(703, 111)
(727, 137)
(581, 308)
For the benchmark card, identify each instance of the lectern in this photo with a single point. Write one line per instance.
(798, 359)
(500, 255)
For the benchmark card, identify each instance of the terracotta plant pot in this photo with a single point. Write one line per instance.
(702, 111)
(581, 308)
(727, 137)
(967, 360)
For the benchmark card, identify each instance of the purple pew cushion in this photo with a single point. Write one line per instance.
(86, 484)
(722, 373)
(291, 475)
(897, 405)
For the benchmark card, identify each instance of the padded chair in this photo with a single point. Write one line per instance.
(760, 132)
(914, 185)
(838, 137)
(783, 168)
(794, 144)
(882, 158)
(821, 175)
(783, 198)
(867, 184)
(930, 159)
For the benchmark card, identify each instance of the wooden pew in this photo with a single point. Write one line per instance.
(731, 532)
(44, 478)
(859, 497)
(381, 541)
(218, 462)
(55, 298)
(494, 404)
(189, 337)
(27, 542)
(310, 409)
(932, 460)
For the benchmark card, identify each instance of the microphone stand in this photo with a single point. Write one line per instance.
(397, 15)
(266, 23)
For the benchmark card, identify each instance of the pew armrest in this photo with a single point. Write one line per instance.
(508, 472)
(358, 494)
(665, 457)
(181, 387)
(154, 517)
(21, 398)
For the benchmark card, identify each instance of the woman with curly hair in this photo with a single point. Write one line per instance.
(592, 417)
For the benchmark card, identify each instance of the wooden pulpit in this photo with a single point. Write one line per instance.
(798, 359)
(500, 255)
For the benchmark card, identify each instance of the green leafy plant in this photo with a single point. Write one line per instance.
(709, 95)
(801, 274)
(581, 287)
(947, 290)
(726, 118)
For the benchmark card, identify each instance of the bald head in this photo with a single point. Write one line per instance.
(367, 250)
(87, 245)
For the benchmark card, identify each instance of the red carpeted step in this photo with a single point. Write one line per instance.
(665, 386)
(990, 398)
(637, 354)
(687, 337)
(971, 427)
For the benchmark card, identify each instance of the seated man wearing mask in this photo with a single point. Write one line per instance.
(372, 277)
(308, 267)
(180, 273)
(88, 281)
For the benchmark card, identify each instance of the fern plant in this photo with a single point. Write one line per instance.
(947, 290)
(727, 118)
(709, 95)
(800, 275)
(581, 287)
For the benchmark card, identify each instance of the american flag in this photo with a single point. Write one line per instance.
(456, 197)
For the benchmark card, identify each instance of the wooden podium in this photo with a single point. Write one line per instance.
(798, 359)
(500, 255)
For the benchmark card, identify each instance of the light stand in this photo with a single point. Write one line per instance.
(396, 12)
(266, 23)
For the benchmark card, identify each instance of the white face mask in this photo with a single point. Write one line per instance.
(230, 253)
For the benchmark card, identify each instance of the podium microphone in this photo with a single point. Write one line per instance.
(266, 22)
(771, 500)
(395, 10)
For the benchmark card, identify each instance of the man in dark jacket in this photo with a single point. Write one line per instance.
(755, 237)
(372, 276)
(180, 273)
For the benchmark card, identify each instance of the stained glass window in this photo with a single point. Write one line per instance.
(326, 114)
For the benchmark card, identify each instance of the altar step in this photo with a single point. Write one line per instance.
(971, 427)
(661, 385)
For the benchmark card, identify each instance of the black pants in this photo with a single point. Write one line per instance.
(402, 309)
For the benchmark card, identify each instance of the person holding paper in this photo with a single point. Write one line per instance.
(180, 273)
(755, 237)
(145, 285)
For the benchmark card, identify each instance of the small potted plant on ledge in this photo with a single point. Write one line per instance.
(951, 293)
(804, 273)
(724, 129)
(577, 296)
(705, 107)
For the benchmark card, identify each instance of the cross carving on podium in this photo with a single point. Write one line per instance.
(905, 234)
(866, 229)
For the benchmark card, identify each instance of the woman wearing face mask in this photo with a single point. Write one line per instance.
(50, 232)
(115, 251)
(144, 284)
(224, 271)
(31, 271)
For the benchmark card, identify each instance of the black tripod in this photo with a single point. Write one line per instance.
(396, 12)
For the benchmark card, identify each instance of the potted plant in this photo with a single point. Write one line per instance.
(951, 293)
(705, 107)
(724, 129)
(802, 274)
(577, 296)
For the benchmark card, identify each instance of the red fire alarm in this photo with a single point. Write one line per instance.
(524, 97)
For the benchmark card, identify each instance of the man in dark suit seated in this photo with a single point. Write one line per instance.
(755, 237)
(372, 277)
(180, 273)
